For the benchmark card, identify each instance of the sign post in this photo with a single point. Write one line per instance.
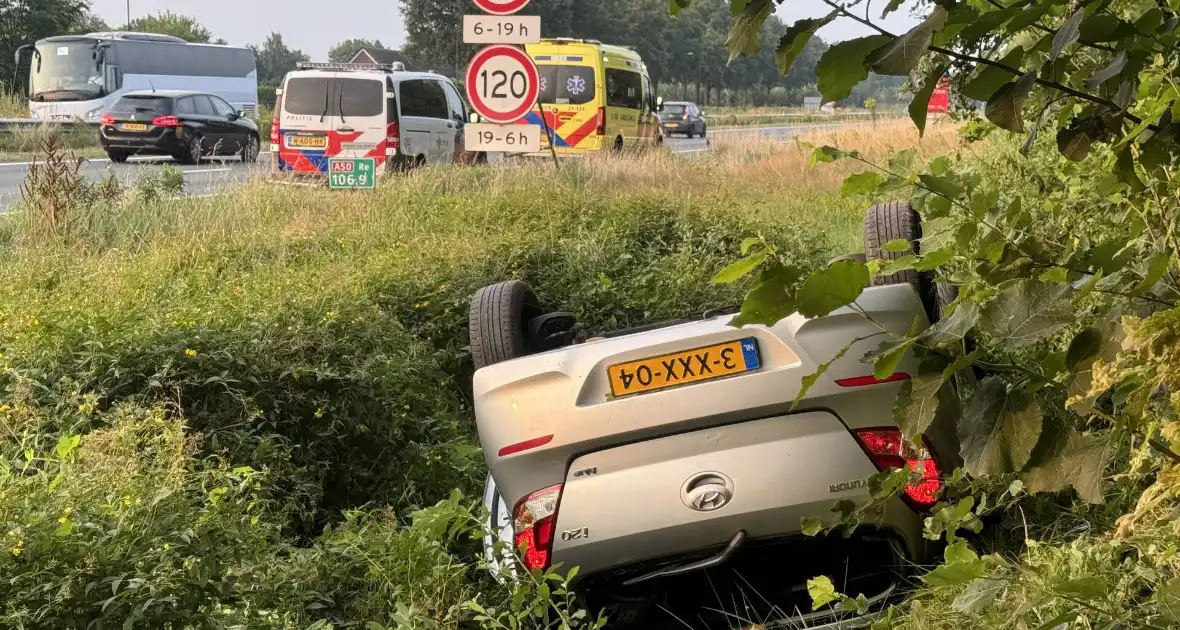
(502, 82)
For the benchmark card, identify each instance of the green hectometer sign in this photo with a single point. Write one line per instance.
(352, 173)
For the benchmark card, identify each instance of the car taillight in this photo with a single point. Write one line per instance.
(107, 119)
(533, 521)
(166, 121)
(888, 450)
(393, 134)
(601, 121)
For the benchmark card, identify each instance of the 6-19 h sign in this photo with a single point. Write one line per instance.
(502, 83)
(501, 7)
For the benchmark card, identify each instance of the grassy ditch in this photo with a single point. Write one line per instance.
(227, 412)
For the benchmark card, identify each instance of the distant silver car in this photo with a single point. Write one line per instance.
(666, 462)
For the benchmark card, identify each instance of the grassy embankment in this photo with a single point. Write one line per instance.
(223, 412)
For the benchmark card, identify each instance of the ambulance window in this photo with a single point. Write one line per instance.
(424, 99)
(361, 97)
(624, 89)
(567, 85)
(307, 96)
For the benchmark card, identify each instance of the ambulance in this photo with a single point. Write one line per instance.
(401, 119)
(594, 96)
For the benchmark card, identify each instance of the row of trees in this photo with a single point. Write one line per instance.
(689, 50)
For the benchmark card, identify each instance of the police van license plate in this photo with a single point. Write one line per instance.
(307, 142)
(682, 368)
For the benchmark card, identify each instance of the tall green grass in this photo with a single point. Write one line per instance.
(224, 411)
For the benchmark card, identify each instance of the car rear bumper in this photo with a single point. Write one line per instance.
(694, 491)
(165, 140)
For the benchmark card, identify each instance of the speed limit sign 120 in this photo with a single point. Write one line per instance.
(501, 7)
(502, 83)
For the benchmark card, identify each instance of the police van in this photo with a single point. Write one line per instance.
(400, 119)
(594, 96)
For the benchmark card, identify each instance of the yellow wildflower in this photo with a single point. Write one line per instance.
(16, 551)
(190, 352)
(319, 413)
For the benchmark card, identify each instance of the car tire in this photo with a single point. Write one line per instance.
(250, 150)
(192, 152)
(704, 131)
(690, 135)
(897, 220)
(498, 322)
(118, 157)
(618, 147)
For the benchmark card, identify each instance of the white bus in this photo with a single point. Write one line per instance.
(80, 76)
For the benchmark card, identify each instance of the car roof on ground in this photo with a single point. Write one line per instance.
(163, 93)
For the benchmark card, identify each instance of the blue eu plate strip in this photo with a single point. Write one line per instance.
(750, 353)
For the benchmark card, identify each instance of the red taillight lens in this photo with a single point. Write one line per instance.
(533, 520)
(888, 450)
(166, 121)
(393, 135)
(601, 121)
(107, 119)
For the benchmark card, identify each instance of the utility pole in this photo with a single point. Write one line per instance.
(128, 13)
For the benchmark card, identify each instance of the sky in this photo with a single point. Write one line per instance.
(313, 26)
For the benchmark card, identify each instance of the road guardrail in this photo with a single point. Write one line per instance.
(12, 125)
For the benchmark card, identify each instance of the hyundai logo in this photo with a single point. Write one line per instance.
(707, 491)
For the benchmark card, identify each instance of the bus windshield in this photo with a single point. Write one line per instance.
(65, 71)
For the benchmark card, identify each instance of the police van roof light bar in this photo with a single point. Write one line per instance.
(332, 65)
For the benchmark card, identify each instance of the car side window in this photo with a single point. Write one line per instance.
(411, 95)
(454, 101)
(223, 109)
(185, 106)
(203, 106)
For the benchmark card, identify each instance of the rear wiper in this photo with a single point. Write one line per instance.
(340, 102)
(327, 97)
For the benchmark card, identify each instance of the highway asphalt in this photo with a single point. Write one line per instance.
(211, 177)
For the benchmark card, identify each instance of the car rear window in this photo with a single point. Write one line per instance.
(315, 96)
(673, 109)
(132, 104)
(567, 85)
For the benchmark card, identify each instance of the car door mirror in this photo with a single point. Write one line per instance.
(232, 116)
(243, 114)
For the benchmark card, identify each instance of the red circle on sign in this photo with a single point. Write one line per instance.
(532, 92)
(501, 7)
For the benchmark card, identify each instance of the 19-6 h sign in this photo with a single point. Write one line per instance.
(501, 7)
(502, 83)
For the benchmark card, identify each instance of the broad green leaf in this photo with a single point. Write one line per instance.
(987, 79)
(901, 55)
(1167, 600)
(978, 595)
(772, 299)
(960, 552)
(1056, 275)
(1080, 398)
(904, 263)
(738, 270)
(828, 154)
(944, 186)
(821, 591)
(745, 34)
(897, 245)
(1083, 588)
(795, 40)
(998, 429)
(916, 403)
(1027, 312)
(66, 445)
(749, 243)
(1049, 467)
(1027, 17)
(955, 574)
(935, 259)
(1059, 622)
(1005, 108)
(1067, 34)
(811, 526)
(1155, 271)
(676, 6)
(1085, 345)
(1073, 143)
(829, 289)
(737, 6)
(920, 105)
(1109, 71)
(1092, 455)
(888, 356)
(863, 183)
(808, 381)
(845, 64)
(890, 7)
(986, 23)
(952, 330)
(1104, 27)
(960, 364)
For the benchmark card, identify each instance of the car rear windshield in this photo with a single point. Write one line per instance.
(132, 104)
(669, 108)
(317, 96)
(567, 85)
